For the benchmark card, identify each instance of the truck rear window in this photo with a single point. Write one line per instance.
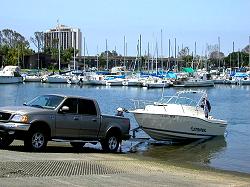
(86, 107)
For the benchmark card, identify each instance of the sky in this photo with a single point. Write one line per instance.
(189, 21)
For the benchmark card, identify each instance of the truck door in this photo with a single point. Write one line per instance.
(68, 122)
(90, 119)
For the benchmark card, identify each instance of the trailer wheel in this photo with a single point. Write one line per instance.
(5, 141)
(36, 140)
(111, 142)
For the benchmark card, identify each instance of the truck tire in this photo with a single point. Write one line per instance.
(111, 142)
(77, 145)
(5, 141)
(36, 140)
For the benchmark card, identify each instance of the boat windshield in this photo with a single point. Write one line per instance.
(45, 101)
(183, 98)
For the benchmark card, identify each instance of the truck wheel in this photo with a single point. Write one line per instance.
(77, 145)
(111, 143)
(5, 141)
(36, 140)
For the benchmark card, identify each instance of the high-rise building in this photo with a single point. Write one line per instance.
(69, 37)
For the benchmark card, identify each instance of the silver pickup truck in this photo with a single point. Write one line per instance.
(61, 118)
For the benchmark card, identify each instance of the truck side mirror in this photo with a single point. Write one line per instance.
(64, 109)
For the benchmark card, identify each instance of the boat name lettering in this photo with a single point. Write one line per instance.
(198, 129)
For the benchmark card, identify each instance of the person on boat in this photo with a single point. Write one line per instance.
(205, 104)
(120, 112)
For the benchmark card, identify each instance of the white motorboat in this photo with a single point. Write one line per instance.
(194, 82)
(114, 82)
(96, 80)
(10, 74)
(57, 79)
(74, 79)
(132, 82)
(32, 78)
(200, 80)
(178, 117)
(245, 81)
(157, 83)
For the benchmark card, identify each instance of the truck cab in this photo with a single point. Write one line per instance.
(61, 118)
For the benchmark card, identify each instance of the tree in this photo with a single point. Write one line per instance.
(38, 41)
(1, 38)
(52, 51)
(67, 54)
(183, 52)
(13, 47)
(237, 59)
(215, 57)
(12, 38)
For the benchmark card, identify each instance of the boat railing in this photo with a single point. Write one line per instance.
(177, 100)
(141, 103)
(181, 98)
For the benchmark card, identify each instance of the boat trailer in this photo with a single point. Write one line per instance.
(136, 140)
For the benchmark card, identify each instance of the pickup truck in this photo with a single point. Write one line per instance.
(56, 117)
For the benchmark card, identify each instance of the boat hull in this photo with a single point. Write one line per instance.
(196, 83)
(32, 79)
(178, 127)
(96, 82)
(10, 79)
(157, 85)
(57, 80)
(114, 83)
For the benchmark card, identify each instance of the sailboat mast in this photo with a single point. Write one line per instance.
(115, 56)
(156, 62)
(107, 54)
(97, 60)
(138, 55)
(148, 56)
(194, 57)
(139, 64)
(152, 59)
(168, 54)
(238, 58)
(175, 51)
(59, 46)
(219, 52)
(161, 52)
(177, 64)
(84, 49)
(124, 50)
(74, 57)
(249, 53)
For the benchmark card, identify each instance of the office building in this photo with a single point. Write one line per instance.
(69, 37)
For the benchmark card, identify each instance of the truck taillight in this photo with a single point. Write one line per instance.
(127, 122)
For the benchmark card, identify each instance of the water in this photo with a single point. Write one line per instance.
(231, 103)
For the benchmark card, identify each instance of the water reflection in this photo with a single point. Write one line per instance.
(200, 152)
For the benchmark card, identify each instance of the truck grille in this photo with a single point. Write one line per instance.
(4, 116)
